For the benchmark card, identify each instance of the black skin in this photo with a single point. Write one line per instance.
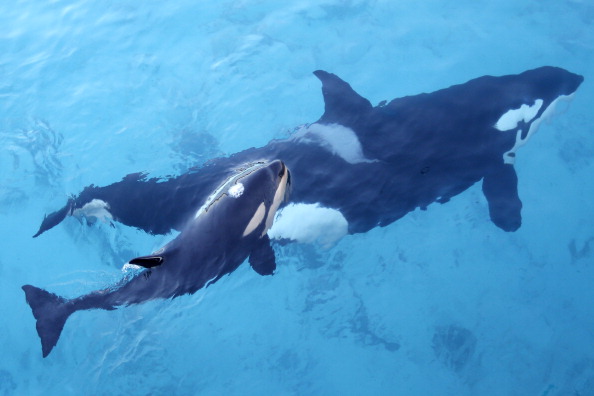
(426, 148)
(209, 247)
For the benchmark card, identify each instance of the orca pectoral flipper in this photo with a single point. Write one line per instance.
(262, 257)
(55, 218)
(147, 261)
(501, 190)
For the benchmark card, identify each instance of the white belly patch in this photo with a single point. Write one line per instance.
(309, 223)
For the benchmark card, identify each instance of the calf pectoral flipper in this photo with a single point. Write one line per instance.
(262, 258)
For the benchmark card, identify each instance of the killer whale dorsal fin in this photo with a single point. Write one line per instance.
(341, 101)
(262, 257)
(147, 261)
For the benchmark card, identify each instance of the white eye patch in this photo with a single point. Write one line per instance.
(512, 117)
(236, 190)
(256, 220)
(510, 156)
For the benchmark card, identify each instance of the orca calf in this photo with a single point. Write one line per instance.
(361, 166)
(229, 227)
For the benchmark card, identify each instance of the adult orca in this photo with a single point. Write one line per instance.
(361, 166)
(229, 227)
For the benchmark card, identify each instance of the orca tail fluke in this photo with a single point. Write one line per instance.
(51, 312)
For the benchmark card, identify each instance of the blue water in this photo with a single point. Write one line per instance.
(439, 303)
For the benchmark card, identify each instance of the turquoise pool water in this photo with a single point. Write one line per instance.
(440, 302)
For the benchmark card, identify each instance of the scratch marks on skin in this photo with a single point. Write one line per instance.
(231, 187)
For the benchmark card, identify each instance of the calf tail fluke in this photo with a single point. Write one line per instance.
(51, 312)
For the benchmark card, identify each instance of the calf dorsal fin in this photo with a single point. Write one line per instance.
(147, 261)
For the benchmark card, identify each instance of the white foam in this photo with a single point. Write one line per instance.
(96, 209)
(309, 223)
(236, 190)
(337, 139)
(511, 118)
(130, 267)
(228, 185)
